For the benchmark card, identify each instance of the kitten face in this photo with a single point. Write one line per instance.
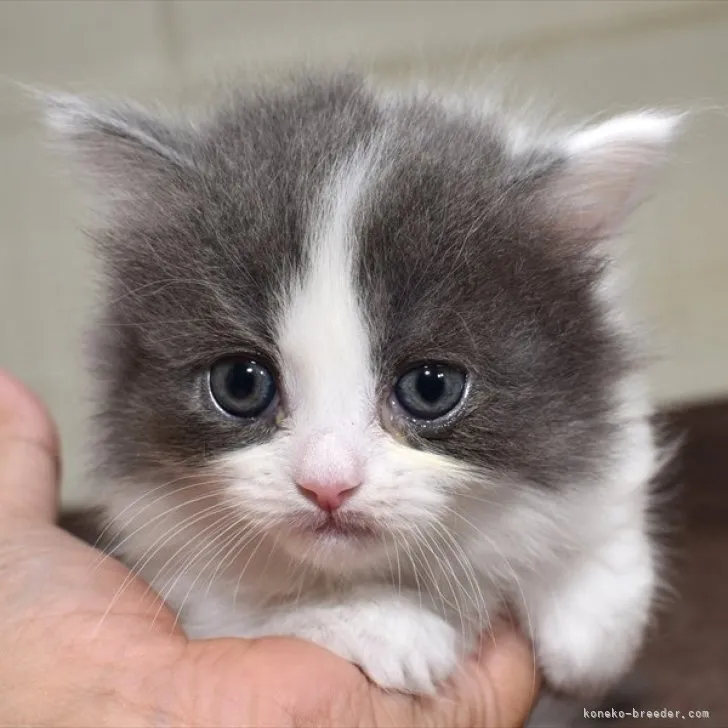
(340, 243)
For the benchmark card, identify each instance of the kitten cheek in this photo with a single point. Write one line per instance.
(257, 478)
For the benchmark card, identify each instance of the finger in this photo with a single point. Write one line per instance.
(497, 690)
(279, 682)
(28, 455)
(504, 682)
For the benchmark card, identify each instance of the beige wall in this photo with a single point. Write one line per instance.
(590, 55)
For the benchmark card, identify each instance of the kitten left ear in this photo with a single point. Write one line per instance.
(607, 171)
(121, 146)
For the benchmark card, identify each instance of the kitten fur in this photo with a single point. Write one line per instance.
(340, 235)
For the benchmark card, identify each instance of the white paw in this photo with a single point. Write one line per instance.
(588, 633)
(399, 645)
(409, 654)
(581, 658)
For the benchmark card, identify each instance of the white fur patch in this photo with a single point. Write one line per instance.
(323, 338)
(589, 625)
(649, 130)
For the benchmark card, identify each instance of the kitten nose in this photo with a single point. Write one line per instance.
(327, 496)
(329, 471)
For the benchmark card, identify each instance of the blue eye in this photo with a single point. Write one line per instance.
(430, 391)
(241, 386)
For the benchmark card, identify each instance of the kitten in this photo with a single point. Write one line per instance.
(365, 376)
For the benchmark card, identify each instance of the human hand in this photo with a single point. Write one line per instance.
(83, 644)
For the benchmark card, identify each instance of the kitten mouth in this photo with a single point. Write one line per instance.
(341, 526)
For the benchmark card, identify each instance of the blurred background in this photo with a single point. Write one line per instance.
(580, 56)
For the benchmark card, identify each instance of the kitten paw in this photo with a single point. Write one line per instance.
(586, 642)
(410, 656)
(397, 644)
(589, 627)
(580, 659)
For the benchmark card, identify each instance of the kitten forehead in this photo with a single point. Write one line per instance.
(323, 337)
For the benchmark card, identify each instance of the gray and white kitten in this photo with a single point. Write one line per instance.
(365, 377)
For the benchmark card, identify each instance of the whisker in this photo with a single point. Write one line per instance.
(201, 537)
(145, 494)
(216, 550)
(477, 598)
(245, 567)
(443, 567)
(512, 572)
(445, 604)
(399, 569)
(135, 570)
(409, 555)
(229, 556)
(113, 549)
(463, 562)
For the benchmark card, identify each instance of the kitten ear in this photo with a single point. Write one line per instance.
(121, 146)
(607, 171)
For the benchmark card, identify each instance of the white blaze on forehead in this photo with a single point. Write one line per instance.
(323, 338)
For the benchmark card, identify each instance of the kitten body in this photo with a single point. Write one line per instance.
(342, 237)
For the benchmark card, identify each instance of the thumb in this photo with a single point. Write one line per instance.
(29, 461)
(496, 690)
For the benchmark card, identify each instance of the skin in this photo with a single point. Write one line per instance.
(82, 643)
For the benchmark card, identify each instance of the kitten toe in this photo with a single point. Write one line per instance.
(415, 663)
(406, 650)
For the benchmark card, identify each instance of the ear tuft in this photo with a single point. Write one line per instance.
(65, 114)
(650, 131)
(607, 171)
(123, 144)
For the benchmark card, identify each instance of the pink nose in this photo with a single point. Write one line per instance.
(328, 497)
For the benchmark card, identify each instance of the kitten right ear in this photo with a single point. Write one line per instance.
(122, 147)
(606, 172)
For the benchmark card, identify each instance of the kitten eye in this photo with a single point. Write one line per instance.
(241, 386)
(430, 391)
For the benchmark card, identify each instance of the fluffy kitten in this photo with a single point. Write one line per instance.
(365, 378)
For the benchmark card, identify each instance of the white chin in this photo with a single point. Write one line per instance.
(335, 553)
